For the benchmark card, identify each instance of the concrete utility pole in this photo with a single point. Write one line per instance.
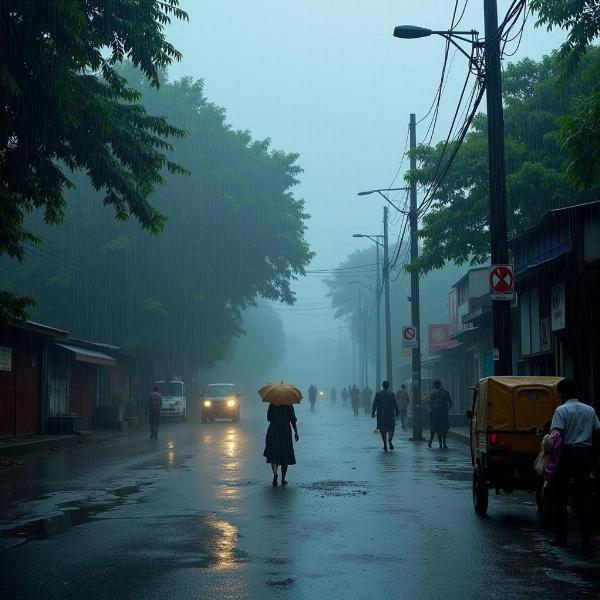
(386, 283)
(378, 334)
(415, 300)
(497, 175)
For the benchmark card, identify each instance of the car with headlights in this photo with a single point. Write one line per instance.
(174, 402)
(221, 401)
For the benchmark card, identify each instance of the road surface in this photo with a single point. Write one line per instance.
(194, 515)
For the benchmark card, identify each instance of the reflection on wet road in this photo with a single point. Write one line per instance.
(194, 516)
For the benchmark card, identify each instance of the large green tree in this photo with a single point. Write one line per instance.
(235, 231)
(455, 227)
(66, 108)
(579, 130)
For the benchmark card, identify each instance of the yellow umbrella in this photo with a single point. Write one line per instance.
(280, 393)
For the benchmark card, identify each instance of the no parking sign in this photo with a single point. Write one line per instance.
(409, 337)
(502, 282)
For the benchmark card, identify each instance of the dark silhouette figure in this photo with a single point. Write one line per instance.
(439, 404)
(384, 405)
(366, 399)
(345, 395)
(333, 395)
(312, 396)
(576, 422)
(154, 408)
(355, 399)
(403, 400)
(279, 448)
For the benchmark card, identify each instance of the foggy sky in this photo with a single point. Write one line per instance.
(328, 80)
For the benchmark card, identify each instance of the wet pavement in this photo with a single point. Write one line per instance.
(193, 515)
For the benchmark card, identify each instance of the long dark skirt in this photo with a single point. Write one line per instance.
(440, 422)
(279, 447)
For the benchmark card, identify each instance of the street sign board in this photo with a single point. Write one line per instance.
(502, 282)
(409, 337)
(439, 337)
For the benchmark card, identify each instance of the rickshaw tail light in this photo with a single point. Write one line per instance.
(493, 438)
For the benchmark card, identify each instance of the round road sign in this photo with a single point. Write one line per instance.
(501, 279)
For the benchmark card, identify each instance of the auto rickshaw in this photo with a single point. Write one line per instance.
(509, 417)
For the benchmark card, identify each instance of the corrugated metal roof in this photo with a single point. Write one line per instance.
(90, 356)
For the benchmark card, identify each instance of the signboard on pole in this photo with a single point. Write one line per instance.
(502, 282)
(557, 306)
(439, 337)
(409, 337)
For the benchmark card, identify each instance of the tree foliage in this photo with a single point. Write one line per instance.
(65, 107)
(579, 131)
(360, 267)
(456, 226)
(235, 232)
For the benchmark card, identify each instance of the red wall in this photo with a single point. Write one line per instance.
(83, 391)
(20, 389)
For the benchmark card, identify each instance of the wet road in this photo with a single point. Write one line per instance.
(193, 515)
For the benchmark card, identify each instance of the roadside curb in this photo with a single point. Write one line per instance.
(459, 436)
(30, 446)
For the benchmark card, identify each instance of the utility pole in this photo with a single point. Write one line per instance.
(378, 335)
(386, 283)
(415, 300)
(497, 190)
(366, 343)
(361, 346)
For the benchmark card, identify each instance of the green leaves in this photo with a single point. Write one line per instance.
(66, 108)
(231, 231)
(551, 135)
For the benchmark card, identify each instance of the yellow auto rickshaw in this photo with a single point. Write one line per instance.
(508, 419)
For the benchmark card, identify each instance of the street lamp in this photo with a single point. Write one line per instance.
(374, 238)
(385, 197)
(491, 78)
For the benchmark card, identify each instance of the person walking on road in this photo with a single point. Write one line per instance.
(355, 398)
(154, 408)
(279, 448)
(576, 422)
(384, 405)
(439, 403)
(333, 396)
(366, 398)
(403, 401)
(344, 397)
(312, 396)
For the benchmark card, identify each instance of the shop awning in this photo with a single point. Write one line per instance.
(90, 356)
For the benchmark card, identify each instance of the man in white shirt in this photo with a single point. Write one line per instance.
(576, 422)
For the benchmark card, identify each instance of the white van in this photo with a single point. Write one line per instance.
(174, 401)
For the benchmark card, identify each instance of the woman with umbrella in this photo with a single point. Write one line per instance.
(279, 448)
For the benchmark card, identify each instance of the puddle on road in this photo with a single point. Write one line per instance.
(337, 488)
(73, 514)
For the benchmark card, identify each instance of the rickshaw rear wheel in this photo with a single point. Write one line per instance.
(480, 491)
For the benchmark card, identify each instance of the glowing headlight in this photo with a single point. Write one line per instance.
(207, 403)
(230, 403)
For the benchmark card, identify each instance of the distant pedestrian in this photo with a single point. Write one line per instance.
(279, 448)
(576, 422)
(154, 408)
(402, 400)
(366, 399)
(312, 396)
(333, 395)
(384, 405)
(355, 399)
(344, 397)
(439, 404)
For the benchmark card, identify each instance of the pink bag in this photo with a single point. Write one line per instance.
(552, 459)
